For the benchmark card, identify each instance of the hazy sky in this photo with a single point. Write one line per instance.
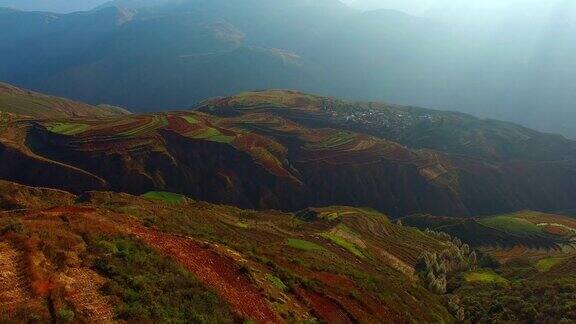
(457, 7)
(60, 6)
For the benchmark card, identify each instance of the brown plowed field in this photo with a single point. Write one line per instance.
(324, 307)
(215, 271)
(83, 291)
(14, 288)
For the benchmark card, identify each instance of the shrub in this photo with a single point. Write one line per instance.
(14, 227)
(152, 287)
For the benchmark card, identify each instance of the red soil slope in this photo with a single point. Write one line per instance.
(216, 271)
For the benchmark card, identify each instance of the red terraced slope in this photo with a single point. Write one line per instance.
(216, 271)
(287, 150)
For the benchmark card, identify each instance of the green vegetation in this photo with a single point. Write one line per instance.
(66, 128)
(303, 245)
(242, 225)
(274, 98)
(152, 287)
(435, 269)
(166, 197)
(214, 135)
(546, 264)
(511, 225)
(546, 300)
(191, 119)
(276, 282)
(484, 276)
(339, 237)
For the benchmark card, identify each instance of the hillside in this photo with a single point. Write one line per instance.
(287, 150)
(177, 216)
(525, 228)
(346, 265)
(27, 103)
(107, 257)
(527, 259)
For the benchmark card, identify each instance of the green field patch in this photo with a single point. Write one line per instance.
(273, 99)
(214, 135)
(242, 225)
(484, 276)
(276, 282)
(303, 245)
(191, 119)
(342, 240)
(511, 225)
(544, 265)
(64, 128)
(166, 197)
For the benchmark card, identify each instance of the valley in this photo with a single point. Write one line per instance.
(287, 161)
(280, 206)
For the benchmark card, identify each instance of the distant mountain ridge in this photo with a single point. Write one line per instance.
(30, 104)
(159, 55)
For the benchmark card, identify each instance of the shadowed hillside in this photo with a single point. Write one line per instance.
(99, 259)
(287, 150)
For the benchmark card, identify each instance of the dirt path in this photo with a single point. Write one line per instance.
(82, 291)
(215, 271)
(13, 283)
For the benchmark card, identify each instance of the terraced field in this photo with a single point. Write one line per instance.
(67, 128)
(84, 293)
(281, 150)
(167, 197)
(276, 268)
(484, 276)
(524, 228)
(15, 290)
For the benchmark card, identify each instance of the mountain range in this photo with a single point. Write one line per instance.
(160, 55)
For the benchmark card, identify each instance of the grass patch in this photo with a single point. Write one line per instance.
(276, 282)
(214, 135)
(191, 119)
(166, 197)
(304, 245)
(350, 247)
(343, 242)
(484, 276)
(546, 264)
(152, 287)
(511, 224)
(242, 225)
(66, 128)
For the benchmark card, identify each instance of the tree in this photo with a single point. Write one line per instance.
(473, 260)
